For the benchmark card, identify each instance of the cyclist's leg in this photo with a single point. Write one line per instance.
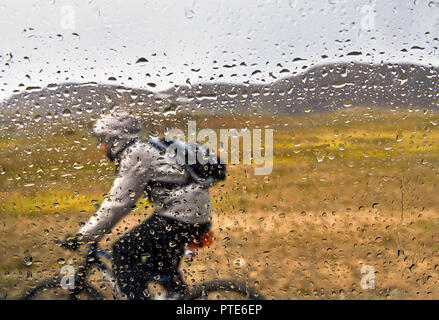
(178, 236)
(176, 284)
(173, 244)
(131, 273)
(162, 241)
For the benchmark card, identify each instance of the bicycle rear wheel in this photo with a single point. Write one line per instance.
(224, 290)
(51, 289)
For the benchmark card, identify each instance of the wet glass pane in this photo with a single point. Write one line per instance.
(283, 149)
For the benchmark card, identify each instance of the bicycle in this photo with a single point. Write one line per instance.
(93, 260)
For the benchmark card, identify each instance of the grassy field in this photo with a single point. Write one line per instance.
(348, 189)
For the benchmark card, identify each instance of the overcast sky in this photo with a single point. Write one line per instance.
(82, 41)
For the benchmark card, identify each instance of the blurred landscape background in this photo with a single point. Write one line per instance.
(350, 89)
(352, 185)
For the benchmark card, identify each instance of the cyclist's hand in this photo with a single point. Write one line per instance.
(72, 242)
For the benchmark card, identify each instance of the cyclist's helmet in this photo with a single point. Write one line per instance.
(118, 125)
(116, 130)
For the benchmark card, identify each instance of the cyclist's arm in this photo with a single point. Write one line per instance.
(129, 185)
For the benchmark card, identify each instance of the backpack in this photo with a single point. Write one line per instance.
(206, 172)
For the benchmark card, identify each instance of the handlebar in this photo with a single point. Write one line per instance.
(94, 249)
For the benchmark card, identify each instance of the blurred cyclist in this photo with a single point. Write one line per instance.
(182, 209)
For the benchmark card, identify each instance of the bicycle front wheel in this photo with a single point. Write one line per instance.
(51, 289)
(223, 290)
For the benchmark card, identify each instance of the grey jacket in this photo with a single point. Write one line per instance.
(139, 165)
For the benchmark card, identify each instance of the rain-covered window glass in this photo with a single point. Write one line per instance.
(219, 149)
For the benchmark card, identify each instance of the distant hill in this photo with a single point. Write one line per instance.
(323, 88)
(74, 100)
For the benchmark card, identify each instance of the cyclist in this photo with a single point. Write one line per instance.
(182, 209)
